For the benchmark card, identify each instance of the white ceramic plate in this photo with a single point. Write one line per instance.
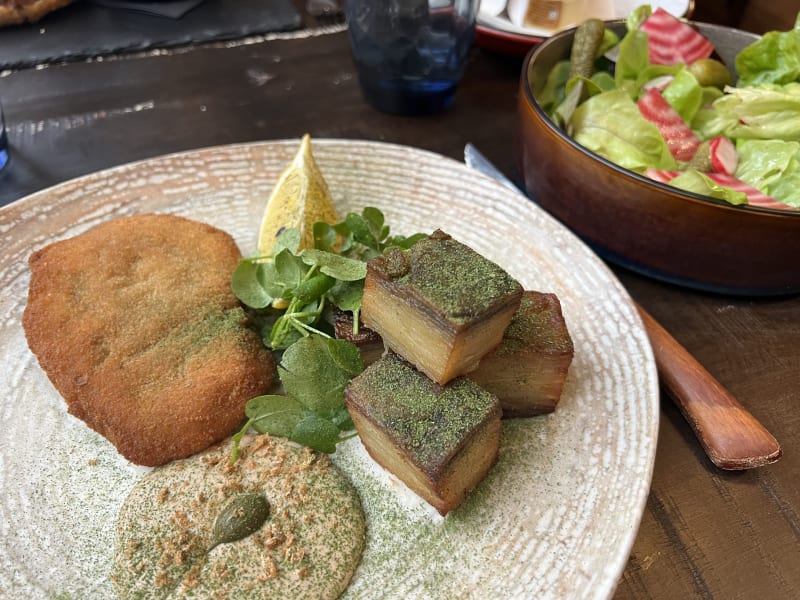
(555, 518)
(494, 14)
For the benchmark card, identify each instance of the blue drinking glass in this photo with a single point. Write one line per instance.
(410, 54)
(3, 140)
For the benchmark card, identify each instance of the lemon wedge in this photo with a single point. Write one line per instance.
(299, 199)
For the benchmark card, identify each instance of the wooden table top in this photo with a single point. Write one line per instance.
(705, 533)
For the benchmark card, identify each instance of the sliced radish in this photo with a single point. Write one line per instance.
(755, 197)
(659, 83)
(661, 175)
(681, 140)
(671, 41)
(724, 157)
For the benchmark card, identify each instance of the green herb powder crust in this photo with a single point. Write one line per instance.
(536, 325)
(428, 421)
(446, 274)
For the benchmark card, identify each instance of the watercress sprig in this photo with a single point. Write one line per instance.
(292, 287)
(288, 292)
(314, 372)
(296, 284)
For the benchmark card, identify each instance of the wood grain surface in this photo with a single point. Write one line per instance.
(705, 533)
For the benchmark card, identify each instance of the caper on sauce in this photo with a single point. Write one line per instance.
(243, 516)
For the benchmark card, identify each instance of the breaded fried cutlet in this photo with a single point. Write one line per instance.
(136, 326)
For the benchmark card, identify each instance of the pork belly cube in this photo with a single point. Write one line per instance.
(440, 304)
(369, 343)
(528, 369)
(439, 440)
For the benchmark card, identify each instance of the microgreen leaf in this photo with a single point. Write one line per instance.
(335, 265)
(314, 287)
(297, 321)
(276, 415)
(404, 242)
(374, 219)
(348, 244)
(347, 295)
(290, 268)
(237, 439)
(360, 229)
(345, 356)
(341, 418)
(269, 280)
(311, 371)
(317, 433)
(324, 236)
(263, 321)
(288, 239)
(284, 339)
(247, 287)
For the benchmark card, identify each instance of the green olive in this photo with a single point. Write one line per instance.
(244, 515)
(711, 72)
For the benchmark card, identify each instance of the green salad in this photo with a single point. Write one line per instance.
(658, 101)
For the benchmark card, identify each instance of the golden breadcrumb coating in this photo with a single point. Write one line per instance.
(136, 326)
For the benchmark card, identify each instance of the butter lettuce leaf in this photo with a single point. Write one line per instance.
(684, 94)
(603, 81)
(577, 89)
(638, 16)
(610, 40)
(761, 162)
(764, 112)
(553, 92)
(611, 125)
(632, 60)
(694, 181)
(775, 58)
(786, 189)
(772, 166)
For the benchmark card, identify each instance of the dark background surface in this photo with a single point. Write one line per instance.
(84, 29)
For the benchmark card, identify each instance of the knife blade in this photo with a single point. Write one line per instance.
(730, 435)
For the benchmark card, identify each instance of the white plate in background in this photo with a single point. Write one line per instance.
(513, 36)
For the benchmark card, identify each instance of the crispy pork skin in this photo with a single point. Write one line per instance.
(439, 440)
(528, 369)
(440, 305)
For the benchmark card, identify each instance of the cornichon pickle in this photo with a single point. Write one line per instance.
(701, 161)
(588, 38)
(710, 72)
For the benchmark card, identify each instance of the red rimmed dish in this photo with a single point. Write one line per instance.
(646, 226)
(494, 31)
(497, 31)
(504, 42)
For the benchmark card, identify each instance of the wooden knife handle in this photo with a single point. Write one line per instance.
(730, 435)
